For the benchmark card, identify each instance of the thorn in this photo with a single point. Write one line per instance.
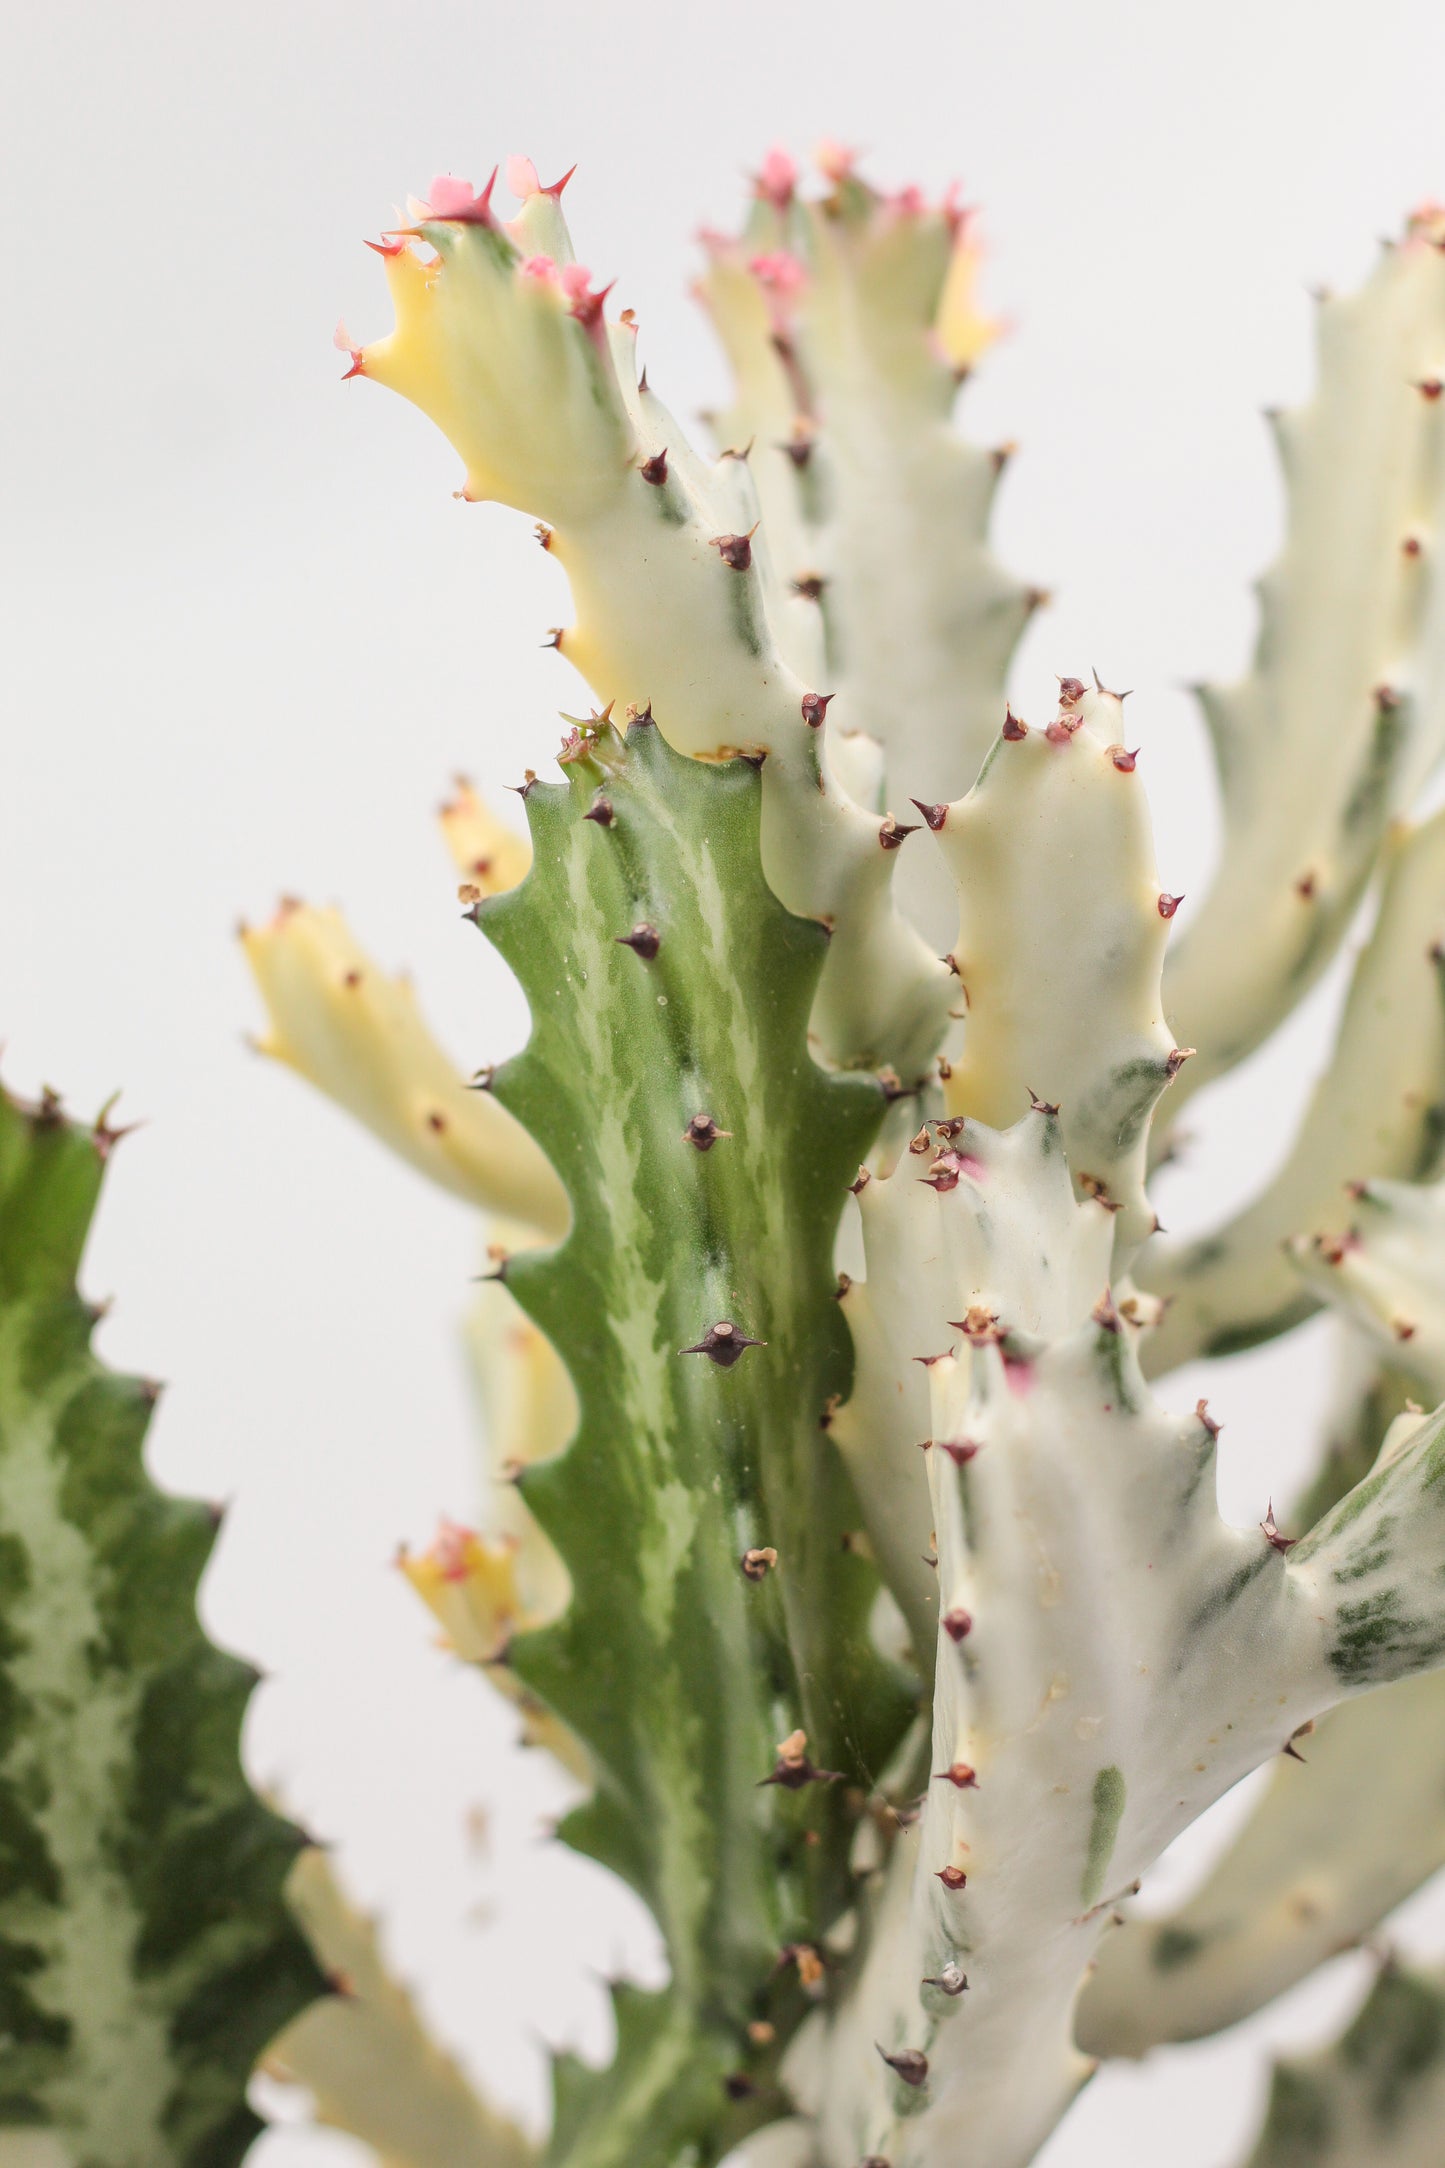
(481, 1079)
(1168, 904)
(1013, 729)
(935, 815)
(654, 469)
(1411, 545)
(910, 2063)
(793, 1769)
(1272, 1536)
(640, 718)
(758, 1564)
(703, 1131)
(809, 586)
(952, 1127)
(857, 1187)
(1403, 1330)
(831, 1406)
(893, 1086)
(529, 777)
(943, 1175)
(743, 453)
(644, 940)
(1177, 1057)
(948, 1982)
(1123, 760)
(928, 1361)
(893, 834)
(957, 1623)
(554, 638)
(815, 707)
(952, 1878)
(845, 1282)
(959, 1775)
(723, 1344)
(1102, 688)
(1431, 387)
(1104, 1313)
(1000, 456)
(945, 1068)
(543, 533)
(1043, 1106)
(922, 1142)
(1201, 1409)
(1036, 598)
(978, 1325)
(1301, 1731)
(1072, 690)
(735, 550)
(601, 811)
(959, 1450)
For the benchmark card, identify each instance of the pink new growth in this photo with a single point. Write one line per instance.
(522, 178)
(777, 179)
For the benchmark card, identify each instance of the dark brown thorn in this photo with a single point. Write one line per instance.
(528, 782)
(481, 1079)
(644, 940)
(845, 1282)
(1013, 729)
(735, 550)
(1101, 687)
(1177, 1057)
(703, 1131)
(978, 1323)
(815, 707)
(952, 1126)
(928, 1361)
(952, 1878)
(544, 534)
(1043, 1106)
(1071, 691)
(654, 468)
(894, 834)
(640, 718)
(808, 586)
(723, 1344)
(738, 2085)
(758, 1564)
(910, 2064)
(856, 1187)
(554, 638)
(792, 1769)
(935, 815)
(601, 811)
(893, 1086)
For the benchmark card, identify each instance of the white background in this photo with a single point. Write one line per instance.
(248, 635)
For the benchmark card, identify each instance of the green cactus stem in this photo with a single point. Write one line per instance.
(146, 1953)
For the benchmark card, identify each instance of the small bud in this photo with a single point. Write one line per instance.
(815, 707)
(644, 940)
(1168, 904)
(893, 1086)
(735, 550)
(935, 815)
(1272, 1536)
(758, 1564)
(893, 834)
(958, 1774)
(951, 1981)
(601, 811)
(1071, 691)
(723, 1344)
(952, 1878)
(1013, 729)
(654, 470)
(703, 1132)
(957, 1623)
(909, 2064)
(1411, 545)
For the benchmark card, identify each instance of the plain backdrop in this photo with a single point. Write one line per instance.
(248, 635)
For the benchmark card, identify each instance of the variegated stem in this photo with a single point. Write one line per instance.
(849, 322)
(1386, 1272)
(1374, 2098)
(1376, 1111)
(365, 2057)
(674, 597)
(1343, 713)
(146, 1955)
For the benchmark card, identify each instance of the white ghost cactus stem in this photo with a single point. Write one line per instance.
(885, 1953)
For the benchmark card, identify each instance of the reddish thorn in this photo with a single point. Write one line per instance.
(1271, 1533)
(935, 815)
(1201, 1410)
(1061, 730)
(952, 1877)
(735, 550)
(928, 1361)
(894, 834)
(1123, 760)
(1072, 690)
(555, 191)
(1175, 1061)
(1411, 545)
(815, 707)
(386, 248)
(909, 2064)
(959, 1450)
(1046, 1107)
(1168, 904)
(1304, 887)
(601, 811)
(959, 1775)
(957, 1623)
(856, 1188)
(703, 1131)
(1431, 386)
(809, 586)
(1013, 729)
(654, 469)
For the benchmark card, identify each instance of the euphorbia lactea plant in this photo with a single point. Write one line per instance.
(854, 1560)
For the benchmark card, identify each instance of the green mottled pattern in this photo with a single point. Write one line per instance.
(1376, 2096)
(145, 1954)
(679, 1672)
